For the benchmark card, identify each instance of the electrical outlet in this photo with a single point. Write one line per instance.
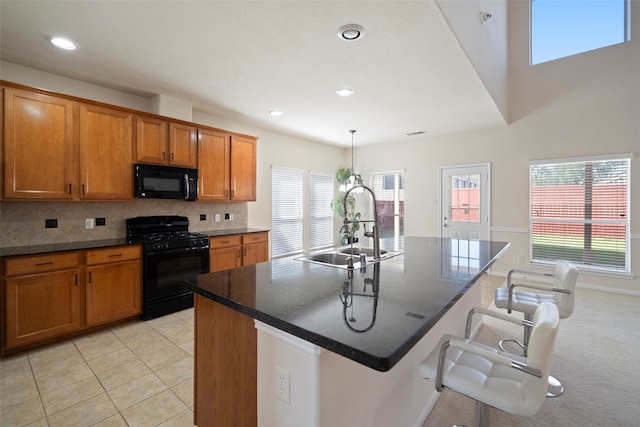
(283, 385)
(203, 217)
(230, 217)
(217, 217)
(100, 221)
(226, 216)
(88, 223)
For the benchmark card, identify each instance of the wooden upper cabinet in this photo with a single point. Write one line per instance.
(243, 168)
(213, 165)
(38, 146)
(106, 151)
(160, 142)
(152, 140)
(183, 146)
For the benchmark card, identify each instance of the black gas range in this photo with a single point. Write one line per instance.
(171, 254)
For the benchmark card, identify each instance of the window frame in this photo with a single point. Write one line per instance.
(610, 268)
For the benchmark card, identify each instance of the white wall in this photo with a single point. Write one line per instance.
(588, 104)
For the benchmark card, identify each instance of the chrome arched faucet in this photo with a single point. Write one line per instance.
(375, 233)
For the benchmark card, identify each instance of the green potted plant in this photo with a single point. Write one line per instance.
(347, 178)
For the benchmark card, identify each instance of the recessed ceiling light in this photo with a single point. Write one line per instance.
(275, 113)
(350, 32)
(345, 92)
(63, 43)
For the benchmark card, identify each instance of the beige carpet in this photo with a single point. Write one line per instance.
(596, 358)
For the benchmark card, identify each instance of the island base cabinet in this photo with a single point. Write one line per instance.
(42, 306)
(225, 386)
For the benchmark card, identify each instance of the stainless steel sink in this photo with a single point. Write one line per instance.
(332, 258)
(368, 252)
(340, 257)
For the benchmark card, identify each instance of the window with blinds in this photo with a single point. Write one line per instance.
(580, 212)
(389, 189)
(287, 211)
(320, 213)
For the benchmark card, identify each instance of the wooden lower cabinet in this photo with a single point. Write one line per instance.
(225, 253)
(255, 248)
(53, 296)
(225, 374)
(234, 251)
(42, 306)
(114, 288)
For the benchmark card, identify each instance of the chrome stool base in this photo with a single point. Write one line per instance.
(555, 387)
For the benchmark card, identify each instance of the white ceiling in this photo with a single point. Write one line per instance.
(241, 59)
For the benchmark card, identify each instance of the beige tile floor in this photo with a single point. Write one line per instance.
(136, 374)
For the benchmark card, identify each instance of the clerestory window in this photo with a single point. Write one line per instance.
(561, 28)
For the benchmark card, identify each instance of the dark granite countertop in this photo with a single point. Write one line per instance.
(374, 316)
(97, 244)
(218, 233)
(61, 247)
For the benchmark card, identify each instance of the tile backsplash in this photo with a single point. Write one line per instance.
(23, 223)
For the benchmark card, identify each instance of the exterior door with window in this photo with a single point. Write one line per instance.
(465, 202)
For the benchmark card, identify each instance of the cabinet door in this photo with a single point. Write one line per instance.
(243, 168)
(253, 254)
(152, 137)
(213, 165)
(225, 258)
(255, 248)
(183, 145)
(38, 146)
(42, 306)
(106, 150)
(113, 292)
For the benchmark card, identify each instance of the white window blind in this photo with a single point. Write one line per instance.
(286, 211)
(320, 213)
(580, 212)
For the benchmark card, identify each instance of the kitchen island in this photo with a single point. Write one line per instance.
(333, 346)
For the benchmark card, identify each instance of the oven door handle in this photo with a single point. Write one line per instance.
(176, 251)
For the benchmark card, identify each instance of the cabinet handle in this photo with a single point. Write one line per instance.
(89, 277)
(44, 264)
(233, 193)
(76, 277)
(226, 241)
(173, 157)
(69, 188)
(164, 155)
(226, 193)
(83, 189)
(238, 253)
(114, 255)
(245, 252)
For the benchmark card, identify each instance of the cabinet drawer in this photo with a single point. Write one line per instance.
(255, 238)
(40, 263)
(225, 241)
(116, 254)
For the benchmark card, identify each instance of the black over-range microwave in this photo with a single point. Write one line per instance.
(165, 182)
